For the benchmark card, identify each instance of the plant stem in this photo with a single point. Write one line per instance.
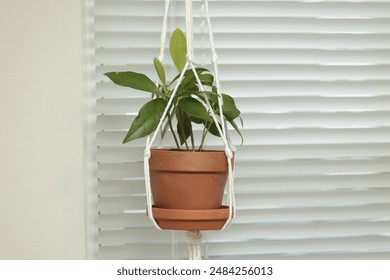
(182, 128)
(173, 132)
(205, 130)
(192, 137)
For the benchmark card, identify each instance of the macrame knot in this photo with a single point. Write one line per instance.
(147, 153)
(194, 236)
(229, 153)
(161, 58)
(190, 58)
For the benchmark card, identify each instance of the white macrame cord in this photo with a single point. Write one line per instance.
(194, 239)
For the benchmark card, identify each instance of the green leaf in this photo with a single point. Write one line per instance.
(212, 128)
(180, 95)
(234, 125)
(133, 80)
(178, 49)
(194, 110)
(230, 111)
(184, 127)
(160, 71)
(189, 82)
(198, 70)
(241, 121)
(229, 108)
(207, 79)
(147, 120)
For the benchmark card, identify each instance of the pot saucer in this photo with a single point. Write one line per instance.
(184, 219)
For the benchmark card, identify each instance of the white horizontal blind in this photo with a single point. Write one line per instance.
(312, 79)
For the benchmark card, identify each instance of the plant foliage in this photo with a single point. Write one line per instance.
(189, 105)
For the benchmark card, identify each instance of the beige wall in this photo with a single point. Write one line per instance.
(41, 130)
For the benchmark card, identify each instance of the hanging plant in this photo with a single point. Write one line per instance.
(184, 186)
(189, 106)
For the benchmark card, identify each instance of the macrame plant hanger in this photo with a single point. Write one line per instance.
(194, 238)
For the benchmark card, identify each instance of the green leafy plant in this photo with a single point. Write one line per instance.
(188, 106)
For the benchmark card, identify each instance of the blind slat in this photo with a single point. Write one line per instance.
(251, 201)
(257, 56)
(268, 104)
(331, 245)
(259, 40)
(288, 120)
(251, 8)
(253, 233)
(251, 24)
(246, 152)
(278, 137)
(278, 72)
(340, 255)
(273, 88)
(269, 184)
(269, 167)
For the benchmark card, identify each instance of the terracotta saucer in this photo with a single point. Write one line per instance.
(180, 219)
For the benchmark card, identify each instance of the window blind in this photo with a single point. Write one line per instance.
(312, 79)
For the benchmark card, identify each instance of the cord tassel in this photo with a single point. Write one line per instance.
(194, 238)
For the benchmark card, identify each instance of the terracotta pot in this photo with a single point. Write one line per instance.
(187, 179)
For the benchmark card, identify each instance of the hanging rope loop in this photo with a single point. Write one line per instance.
(229, 148)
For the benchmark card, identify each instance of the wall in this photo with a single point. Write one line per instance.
(41, 130)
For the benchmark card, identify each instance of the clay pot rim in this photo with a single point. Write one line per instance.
(165, 150)
(208, 161)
